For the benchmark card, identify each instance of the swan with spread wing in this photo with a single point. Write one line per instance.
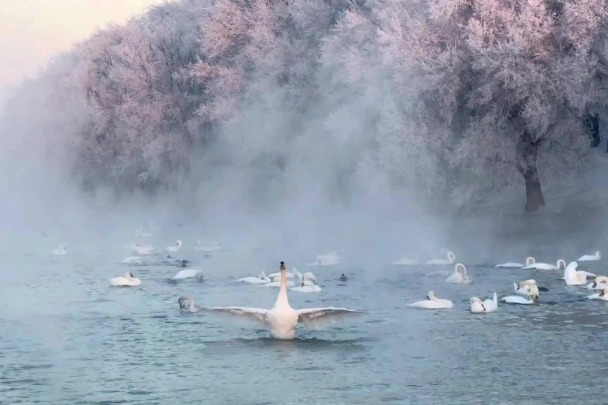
(281, 320)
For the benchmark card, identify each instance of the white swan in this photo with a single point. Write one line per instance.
(574, 277)
(561, 263)
(132, 261)
(210, 248)
(175, 248)
(459, 277)
(281, 319)
(451, 258)
(432, 302)
(599, 296)
(128, 280)
(529, 260)
(59, 251)
(590, 258)
(479, 306)
(188, 273)
(187, 304)
(140, 249)
(599, 283)
(518, 299)
(327, 259)
(527, 288)
(260, 279)
(404, 261)
(307, 285)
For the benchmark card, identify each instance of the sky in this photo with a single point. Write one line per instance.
(32, 31)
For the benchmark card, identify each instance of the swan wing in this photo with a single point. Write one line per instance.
(318, 317)
(256, 314)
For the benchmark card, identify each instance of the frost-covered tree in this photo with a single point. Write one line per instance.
(508, 80)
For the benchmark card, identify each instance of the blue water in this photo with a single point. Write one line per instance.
(67, 337)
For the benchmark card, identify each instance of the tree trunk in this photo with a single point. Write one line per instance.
(534, 194)
(592, 122)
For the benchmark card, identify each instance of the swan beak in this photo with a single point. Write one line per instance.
(427, 297)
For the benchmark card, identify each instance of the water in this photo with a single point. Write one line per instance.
(66, 336)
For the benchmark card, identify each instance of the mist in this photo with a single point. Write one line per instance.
(288, 129)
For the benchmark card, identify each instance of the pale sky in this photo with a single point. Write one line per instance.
(32, 31)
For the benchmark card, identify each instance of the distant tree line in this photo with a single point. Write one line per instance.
(454, 100)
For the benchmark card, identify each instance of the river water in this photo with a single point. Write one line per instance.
(67, 337)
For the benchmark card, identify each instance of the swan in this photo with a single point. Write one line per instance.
(574, 277)
(175, 262)
(561, 263)
(189, 273)
(59, 251)
(210, 248)
(140, 249)
(260, 279)
(128, 280)
(187, 304)
(327, 259)
(132, 261)
(432, 302)
(599, 296)
(599, 283)
(309, 274)
(451, 259)
(281, 320)
(529, 261)
(404, 261)
(590, 258)
(175, 248)
(308, 285)
(479, 306)
(518, 299)
(343, 277)
(459, 277)
(528, 288)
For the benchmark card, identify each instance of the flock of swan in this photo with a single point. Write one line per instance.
(528, 292)
(281, 320)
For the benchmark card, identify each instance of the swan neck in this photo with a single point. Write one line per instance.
(282, 297)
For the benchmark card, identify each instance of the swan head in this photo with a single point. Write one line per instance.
(282, 267)
(461, 267)
(530, 260)
(178, 243)
(129, 275)
(430, 296)
(603, 292)
(475, 300)
(597, 253)
(533, 292)
(561, 264)
(185, 303)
